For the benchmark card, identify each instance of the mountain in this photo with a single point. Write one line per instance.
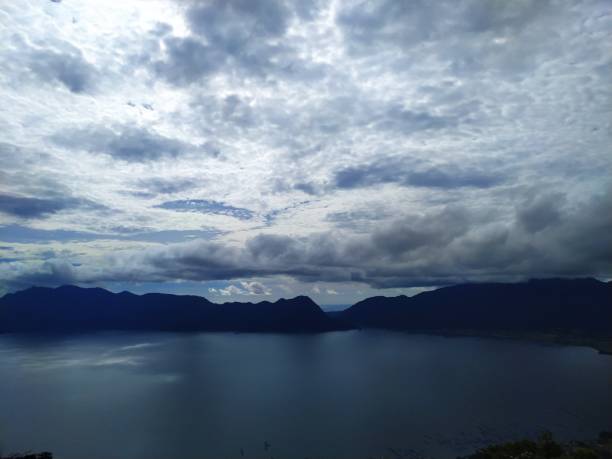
(69, 308)
(549, 305)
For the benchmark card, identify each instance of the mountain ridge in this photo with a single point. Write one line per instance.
(71, 308)
(552, 305)
(583, 304)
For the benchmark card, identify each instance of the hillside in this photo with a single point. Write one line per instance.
(576, 305)
(539, 308)
(70, 308)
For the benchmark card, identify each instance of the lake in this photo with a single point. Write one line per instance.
(338, 395)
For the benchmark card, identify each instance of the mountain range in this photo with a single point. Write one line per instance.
(549, 305)
(546, 305)
(75, 309)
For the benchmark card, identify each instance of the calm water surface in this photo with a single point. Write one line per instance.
(337, 395)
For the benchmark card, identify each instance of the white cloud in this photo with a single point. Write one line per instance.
(255, 288)
(246, 288)
(231, 290)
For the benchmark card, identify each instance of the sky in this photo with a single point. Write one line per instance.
(250, 150)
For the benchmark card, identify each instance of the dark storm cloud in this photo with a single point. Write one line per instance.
(128, 143)
(32, 207)
(415, 175)
(207, 207)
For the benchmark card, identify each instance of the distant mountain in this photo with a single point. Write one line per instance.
(550, 305)
(70, 308)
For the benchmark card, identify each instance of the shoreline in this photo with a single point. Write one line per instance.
(602, 345)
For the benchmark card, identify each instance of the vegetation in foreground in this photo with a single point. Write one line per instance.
(45, 455)
(545, 447)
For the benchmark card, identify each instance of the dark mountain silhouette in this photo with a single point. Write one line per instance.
(70, 308)
(550, 305)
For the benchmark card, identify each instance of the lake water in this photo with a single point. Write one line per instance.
(337, 395)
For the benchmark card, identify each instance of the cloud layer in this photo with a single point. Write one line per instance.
(238, 148)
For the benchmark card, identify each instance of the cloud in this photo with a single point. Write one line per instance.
(128, 143)
(416, 175)
(454, 178)
(442, 247)
(541, 212)
(507, 38)
(246, 36)
(255, 288)
(231, 25)
(49, 273)
(71, 70)
(154, 186)
(307, 188)
(57, 62)
(31, 207)
(29, 235)
(229, 291)
(207, 207)
(400, 118)
(246, 288)
(382, 143)
(187, 60)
